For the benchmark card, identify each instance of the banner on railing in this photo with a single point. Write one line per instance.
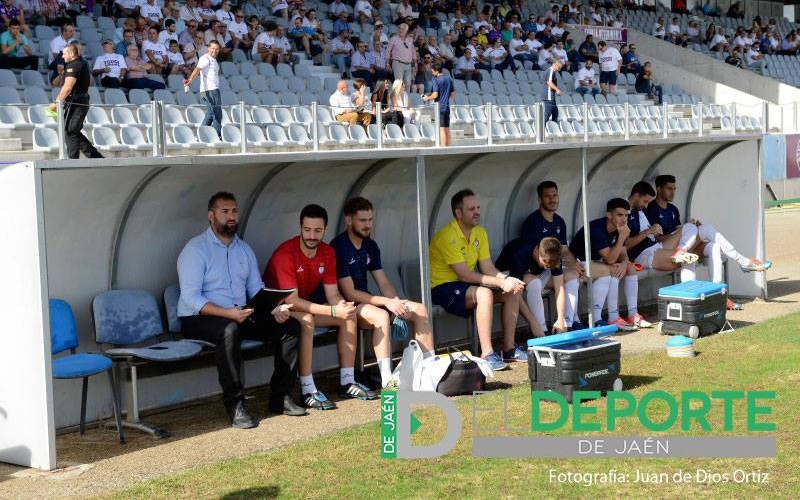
(792, 156)
(616, 36)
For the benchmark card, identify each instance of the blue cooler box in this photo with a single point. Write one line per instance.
(693, 308)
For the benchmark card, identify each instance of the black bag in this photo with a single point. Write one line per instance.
(463, 376)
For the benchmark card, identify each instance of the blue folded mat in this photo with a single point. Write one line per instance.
(575, 337)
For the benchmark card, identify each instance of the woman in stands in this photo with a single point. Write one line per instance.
(646, 84)
(400, 103)
(388, 113)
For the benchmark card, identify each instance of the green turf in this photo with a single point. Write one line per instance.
(347, 464)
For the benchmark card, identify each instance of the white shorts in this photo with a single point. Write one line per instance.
(645, 259)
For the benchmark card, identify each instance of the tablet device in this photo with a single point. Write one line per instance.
(268, 299)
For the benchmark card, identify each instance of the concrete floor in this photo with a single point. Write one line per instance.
(95, 464)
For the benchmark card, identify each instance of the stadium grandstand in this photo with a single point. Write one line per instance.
(591, 96)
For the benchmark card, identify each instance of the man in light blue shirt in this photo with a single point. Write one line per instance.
(218, 273)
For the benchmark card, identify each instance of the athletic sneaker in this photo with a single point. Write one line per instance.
(624, 325)
(733, 306)
(600, 322)
(757, 266)
(515, 354)
(357, 391)
(495, 361)
(577, 325)
(318, 401)
(680, 256)
(639, 321)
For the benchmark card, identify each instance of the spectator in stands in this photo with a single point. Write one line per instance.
(586, 80)
(402, 55)
(736, 11)
(379, 34)
(646, 84)
(215, 33)
(126, 8)
(529, 25)
(151, 12)
(169, 33)
(610, 64)
(357, 255)
(495, 57)
(402, 12)
(190, 13)
(587, 50)
(262, 47)
(549, 92)
(359, 64)
(155, 53)
(619, 22)
(281, 45)
(341, 103)
(775, 42)
(254, 8)
(610, 262)
(317, 303)
(754, 59)
(733, 59)
(388, 113)
(341, 52)
(378, 64)
(336, 8)
(545, 57)
(659, 29)
(177, 63)
(109, 68)
(207, 14)
(519, 50)
(693, 33)
(400, 102)
(718, 42)
(9, 11)
(208, 69)
(560, 53)
(674, 27)
(465, 67)
(362, 11)
(210, 309)
(764, 44)
(709, 9)
(428, 16)
(463, 278)
(280, 8)
(65, 37)
(340, 24)
(16, 49)
(224, 14)
(423, 81)
(137, 71)
(630, 60)
(442, 92)
(140, 32)
(238, 30)
(186, 39)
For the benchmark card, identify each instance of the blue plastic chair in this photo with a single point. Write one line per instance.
(130, 321)
(64, 337)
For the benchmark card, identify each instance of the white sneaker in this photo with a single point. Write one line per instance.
(683, 257)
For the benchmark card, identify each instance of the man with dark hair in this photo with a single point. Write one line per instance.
(16, 49)
(208, 68)
(462, 273)
(609, 260)
(357, 255)
(550, 90)
(218, 274)
(544, 222)
(694, 239)
(442, 92)
(308, 265)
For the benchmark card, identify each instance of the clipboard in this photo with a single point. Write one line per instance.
(268, 299)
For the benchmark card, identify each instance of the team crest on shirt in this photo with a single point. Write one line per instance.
(300, 269)
(477, 243)
(368, 259)
(321, 269)
(558, 230)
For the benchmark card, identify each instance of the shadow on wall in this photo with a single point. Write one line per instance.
(256, 492)
(781, 287)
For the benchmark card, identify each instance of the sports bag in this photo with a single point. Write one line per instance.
(463, 376)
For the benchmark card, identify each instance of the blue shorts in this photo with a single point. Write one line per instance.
(609, 77)
(452, 297)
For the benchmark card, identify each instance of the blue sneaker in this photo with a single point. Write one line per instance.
(577, 325)
(495, 362)
(600, 322)
(515, 354)
(756, 265)
(318, 401)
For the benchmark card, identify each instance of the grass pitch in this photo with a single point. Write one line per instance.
(348, 464)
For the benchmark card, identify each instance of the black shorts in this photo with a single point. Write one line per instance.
(444, 119)
(452, 297)
(609, 77)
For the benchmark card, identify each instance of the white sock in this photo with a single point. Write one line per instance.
(710, 234)
(688, 273)
(688, 237)
(385, 366)
(428, 354)
(347, 375)
(613, 299)
(307, 384)
(631, 286)
(571, 287)
(713, 254)
(533, 296)
(599, 293)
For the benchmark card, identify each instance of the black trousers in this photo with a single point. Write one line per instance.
(76, 142)
(227, 335)
(24, 62)
(550, 111)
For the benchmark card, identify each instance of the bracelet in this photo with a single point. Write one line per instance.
(333, 311)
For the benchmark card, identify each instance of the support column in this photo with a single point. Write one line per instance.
(422, 236)
(587, 243)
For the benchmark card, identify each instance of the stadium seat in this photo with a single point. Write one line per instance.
(105, 139)
(229, 98)
(130, 322)
(97, 117)
(114, 97)
(45, 139)
(267, 70)
(64, 337)
(303, 115)
(139, 96)
(231, 134)
(11, 118)
(394, 135)
(35, 96)
(262, 115)
(255, 136)
(277, 136)
(250, 97)
(359, 135)
(133, 137)
(9, 95)
(184, 99)
(480, 131)
(173, 116)
(164, 95)
(32, 78)
(38, 117)
(206, 134)
(299, 135)
(428, 131)
(183, 135)
(269, 98)
(195, 115)
(411, 131)
(339, 136)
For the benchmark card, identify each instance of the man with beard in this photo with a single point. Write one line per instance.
(356, 255)
(309, 265)
(695, 237)
(541, 223)
(218, 273)
(463, 278)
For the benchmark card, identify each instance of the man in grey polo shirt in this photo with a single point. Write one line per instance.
(218, 274)
(402, 55)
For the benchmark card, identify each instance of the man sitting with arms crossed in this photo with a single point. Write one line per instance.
(356, 255)
(218, 273)
(609, 263)
(538, 266)
(462, 273)
(309, 265)
(695, 238)
(545, 222)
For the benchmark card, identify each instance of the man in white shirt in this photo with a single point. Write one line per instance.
(341, 103)
(718, 42)
(659, 30)
(189, 12)
(168, 33)
(533, 44)
(363, 9)
(465, 67)
(336, 8)
(519, 50)
(545, 58)
(610, 63)
(586, 80)
(58, 43)
(224, 13)
(280, 8)
(152, 12)
(402, 11)
(341, 50)
(675, 27)
(208, 68)
(753, 58)
(238, 30)
(281, 45)
(359, 64)
(496, 56)
(560, 53)
(262, 47)
(154, 52)
(109, 67)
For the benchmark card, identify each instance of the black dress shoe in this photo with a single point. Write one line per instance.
(287, 407)
(239, 417)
